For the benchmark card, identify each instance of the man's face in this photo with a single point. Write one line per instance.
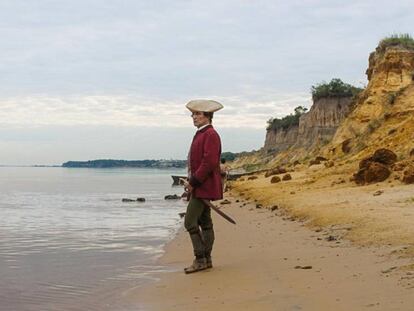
(199, 119)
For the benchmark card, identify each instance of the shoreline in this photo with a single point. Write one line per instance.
(271, 261)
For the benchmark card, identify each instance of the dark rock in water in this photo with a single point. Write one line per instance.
(371, 173)
(259, 205)
(275, 179)
(287, 177)
(172, 197)
(384, 156)
(331, 238)
(252, 177)
(128, 200)
(408, 176)
(140, 199)
(320, 158)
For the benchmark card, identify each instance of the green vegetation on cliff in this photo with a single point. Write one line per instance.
(124, 163)
(335, 88)
(287, 121)
(402, 40)
(228, 156)
(231, 156)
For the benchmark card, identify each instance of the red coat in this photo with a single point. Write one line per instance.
(204, 164)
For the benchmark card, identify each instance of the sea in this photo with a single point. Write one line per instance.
(68, 242)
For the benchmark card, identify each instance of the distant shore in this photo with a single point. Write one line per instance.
(127, 164)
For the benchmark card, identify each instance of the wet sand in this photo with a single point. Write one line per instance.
(269, 262)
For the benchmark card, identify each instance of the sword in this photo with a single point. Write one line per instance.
(209, 204)
(218, 211)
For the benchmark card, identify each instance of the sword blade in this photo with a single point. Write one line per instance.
(216, 209)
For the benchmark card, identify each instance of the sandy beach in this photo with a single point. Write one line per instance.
(276, 258)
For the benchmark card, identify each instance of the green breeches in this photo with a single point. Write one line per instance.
(197, 216)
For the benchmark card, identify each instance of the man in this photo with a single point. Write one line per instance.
(204, 182)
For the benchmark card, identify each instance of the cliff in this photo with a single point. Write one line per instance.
(319, 125)
(384, 114)
(315, 128)
(342, 129)
(280, 139)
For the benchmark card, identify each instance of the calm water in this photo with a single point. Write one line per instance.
(67, 242)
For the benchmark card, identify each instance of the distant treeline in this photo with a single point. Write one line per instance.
(124, 163)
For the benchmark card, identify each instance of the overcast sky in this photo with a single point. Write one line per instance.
(88, 79)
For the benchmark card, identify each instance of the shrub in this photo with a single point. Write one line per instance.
(402, 40)
(228, 156)
(287, 121)
(335, 88)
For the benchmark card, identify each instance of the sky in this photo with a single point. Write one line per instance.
(100, 79)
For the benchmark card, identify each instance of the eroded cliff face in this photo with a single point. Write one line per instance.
(319, 125)
(315, 128)
(383, 116)
(280, 139)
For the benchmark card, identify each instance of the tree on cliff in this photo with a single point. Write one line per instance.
(335, 88)
(287, 121)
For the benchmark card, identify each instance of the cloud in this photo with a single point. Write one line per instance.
(133, 64)
(165, 48)
(132, 110)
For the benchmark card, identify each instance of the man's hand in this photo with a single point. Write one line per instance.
(186, 184)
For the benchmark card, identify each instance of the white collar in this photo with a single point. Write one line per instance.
(204, 126)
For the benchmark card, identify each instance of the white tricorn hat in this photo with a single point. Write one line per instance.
(203, 105)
